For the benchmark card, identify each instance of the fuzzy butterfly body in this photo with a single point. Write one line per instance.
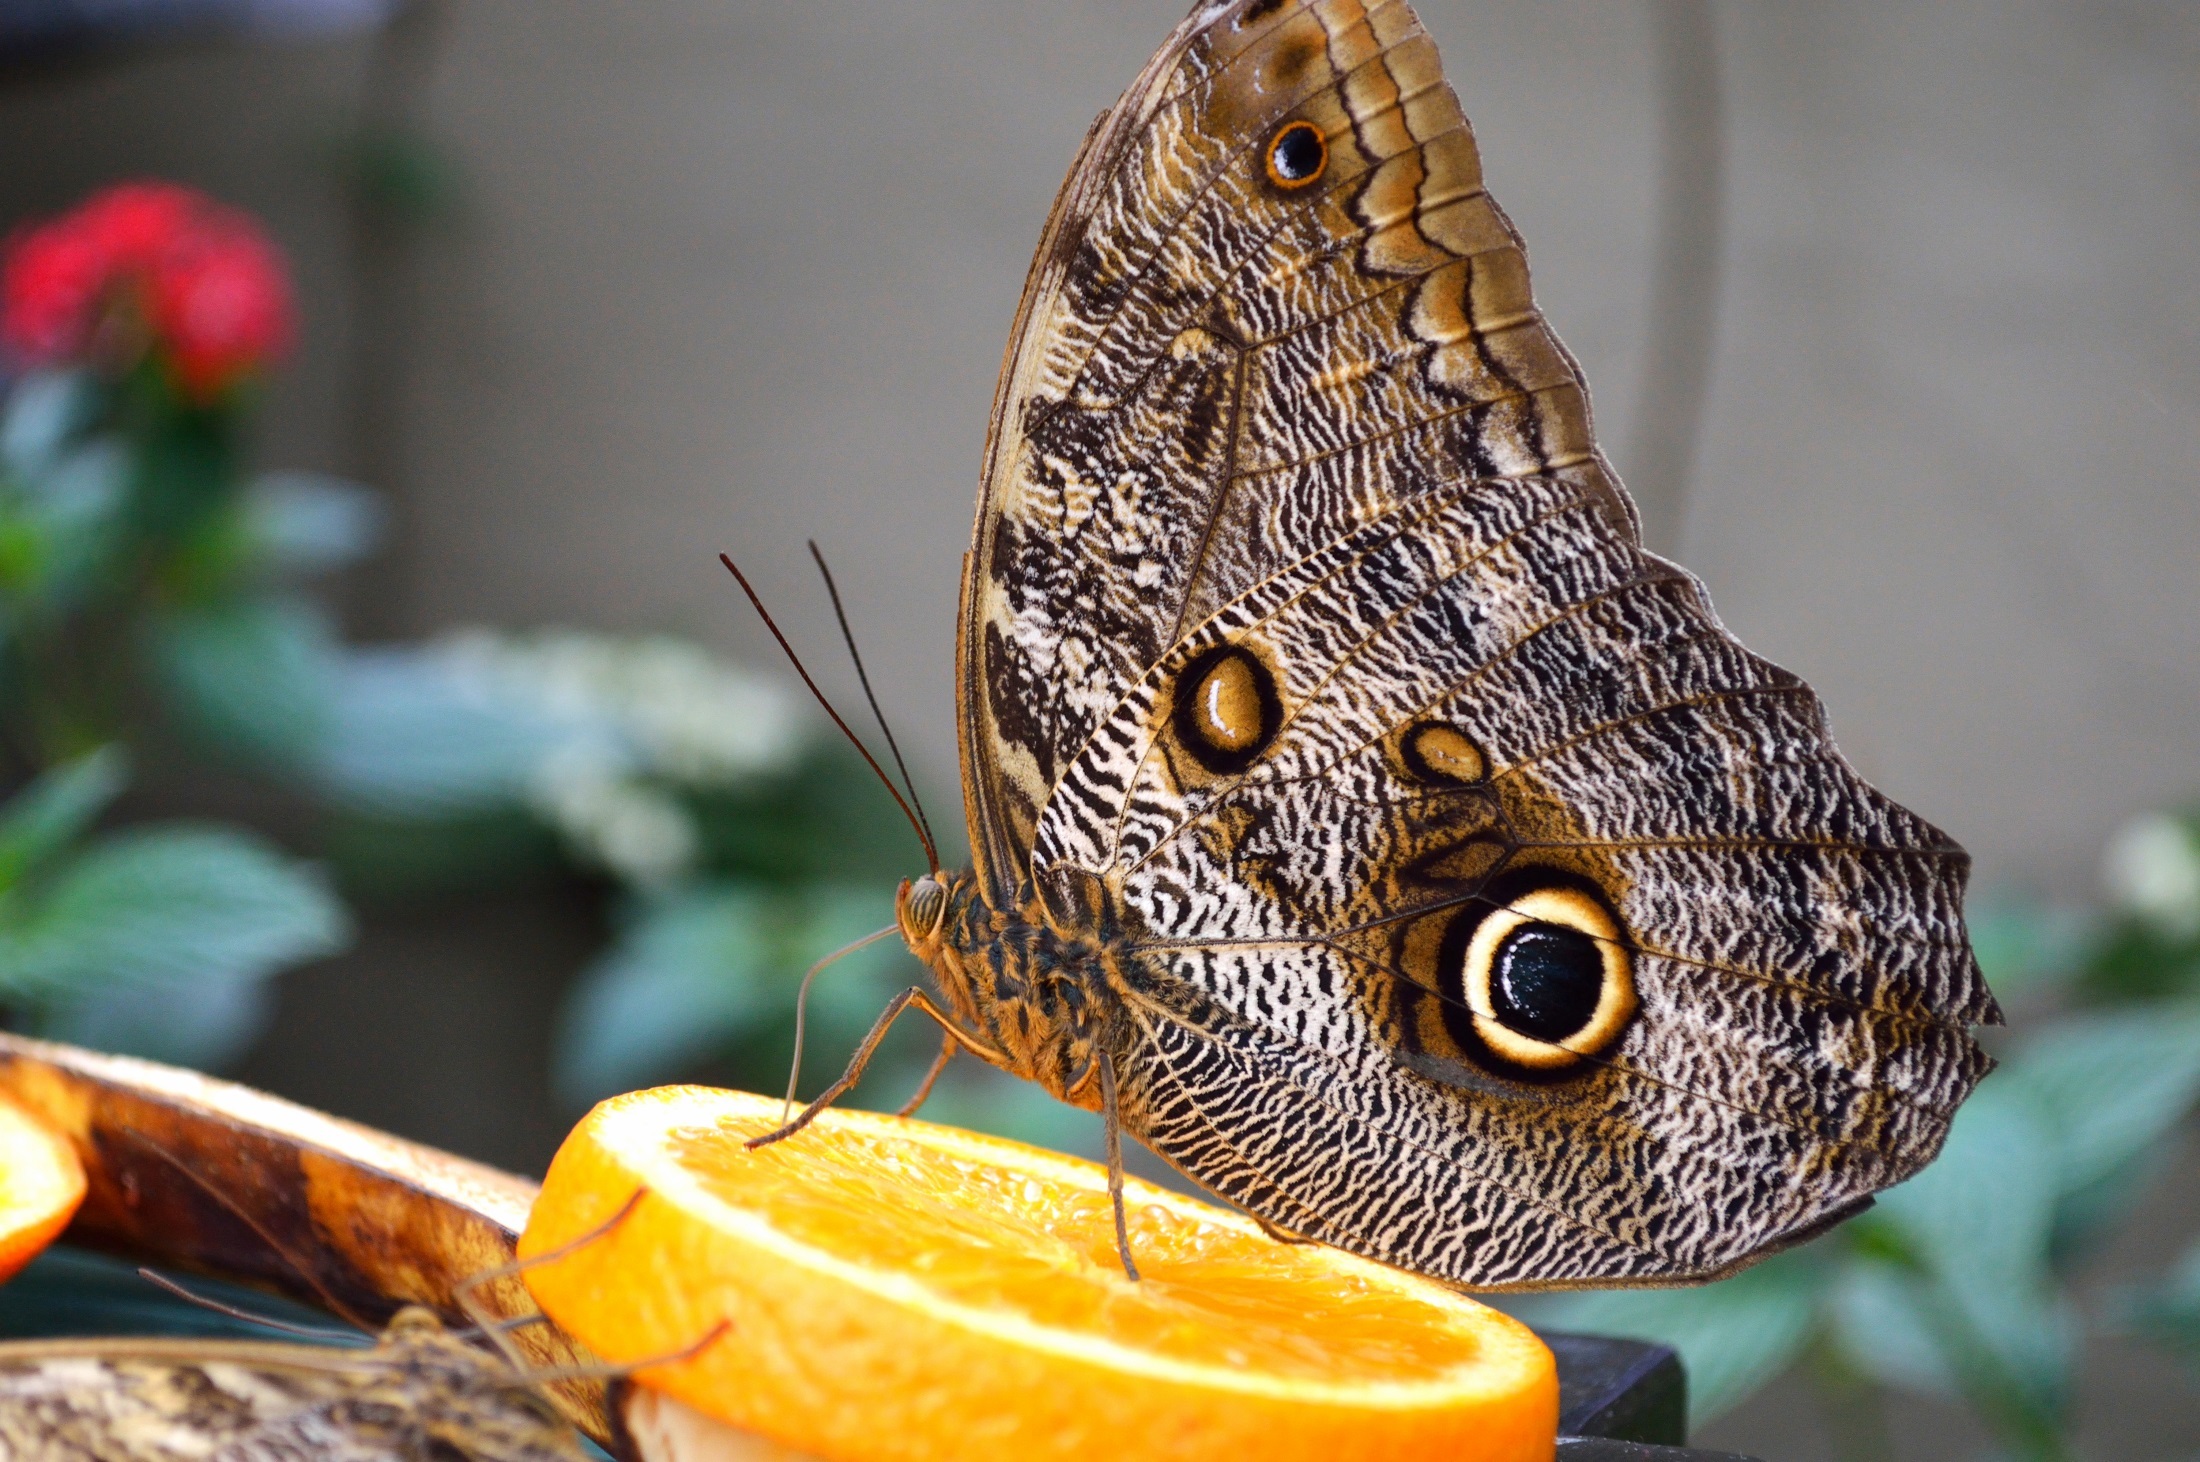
(419, 1393)
(1412, 857)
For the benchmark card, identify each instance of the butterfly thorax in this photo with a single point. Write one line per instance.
(441, 1392)
(1043, 998)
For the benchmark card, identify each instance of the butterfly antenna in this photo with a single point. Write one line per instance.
(924, 836)
(620, 1370)
(276, 1246)
(802, 1008)
(468, 1290)
(208, 1302)
(865, 681)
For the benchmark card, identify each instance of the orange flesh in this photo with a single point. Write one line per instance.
(41, 1184)
(881, 1290)
(994, 1239)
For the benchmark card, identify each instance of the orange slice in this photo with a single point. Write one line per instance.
(41, 1184)
(899, 1290)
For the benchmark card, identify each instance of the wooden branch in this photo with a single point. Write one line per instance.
(191, 1173)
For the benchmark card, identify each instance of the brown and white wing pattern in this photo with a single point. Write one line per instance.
(420, 1394)
(1483, 906)
(1218, 368)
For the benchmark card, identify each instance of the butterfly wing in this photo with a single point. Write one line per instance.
(1486, 908)
(157, 1399)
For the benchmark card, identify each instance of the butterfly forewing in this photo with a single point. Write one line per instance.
(1466, 895)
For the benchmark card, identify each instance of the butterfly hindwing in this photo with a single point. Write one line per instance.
(421, 1392)
(1478, 903)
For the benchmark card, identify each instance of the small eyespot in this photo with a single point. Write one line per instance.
(1435, 752)
(1297, 155)
(1226, 706)
(1226, 709)
(1548, 980)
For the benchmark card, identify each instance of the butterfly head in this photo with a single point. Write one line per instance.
(920, 907)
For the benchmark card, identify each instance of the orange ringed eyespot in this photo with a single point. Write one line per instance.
(1297, 155)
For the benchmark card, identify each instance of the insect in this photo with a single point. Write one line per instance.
(419, 1392)
(1361, 818)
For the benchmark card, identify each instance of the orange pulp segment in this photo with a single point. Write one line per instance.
(41, 1184)
(893, 1289)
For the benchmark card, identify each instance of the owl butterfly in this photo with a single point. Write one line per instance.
(1361, 818)
(420, 1392)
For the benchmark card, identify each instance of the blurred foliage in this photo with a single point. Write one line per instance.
(155, 596)
(744, 846)
(1959, 1282)
(133, 555)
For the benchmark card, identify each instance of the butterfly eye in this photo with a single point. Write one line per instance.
(1548, 979)
(1297, 155)
(923, 907)
(1226, 708)
(1442, 754)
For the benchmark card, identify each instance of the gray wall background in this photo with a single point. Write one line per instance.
(730, 275)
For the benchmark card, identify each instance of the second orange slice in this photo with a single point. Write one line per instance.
(892, 1289)
(41, 1184)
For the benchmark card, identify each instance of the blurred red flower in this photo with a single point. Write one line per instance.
(148, 267)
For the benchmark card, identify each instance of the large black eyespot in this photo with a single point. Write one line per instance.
(1548, 981)
(1545, 980)
(1297, 155)
(1226, 708)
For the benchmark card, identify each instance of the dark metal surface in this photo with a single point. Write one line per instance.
(1604, 1449)
(1622, 1401)
(1626, 1389)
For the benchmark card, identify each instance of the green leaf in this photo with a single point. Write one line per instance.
(309, 523)
(2169, 1314)
(44, 411)
(171, 905)
(57, 809)
(1732, 1336)
(410, 737)
(59, 529)
(1974, 1228)
(2137, 962)
(205, 1024)
(2025, 947)
(683, 980)
(256, 679)
(2111, 1087)
(700, 969)
(1983, 1207)
(1881, 1331)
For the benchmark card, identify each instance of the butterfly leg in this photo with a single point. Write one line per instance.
(1111, 1118)
(862, 1058)
(948, 1047)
